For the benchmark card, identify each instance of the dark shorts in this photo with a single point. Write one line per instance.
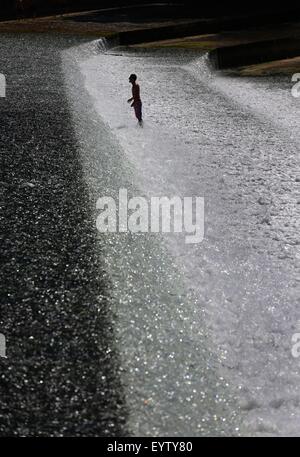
(138, 110)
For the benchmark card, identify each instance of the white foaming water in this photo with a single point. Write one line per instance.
(201, 68)
(268, 97)
(102, 44)
(233, 141)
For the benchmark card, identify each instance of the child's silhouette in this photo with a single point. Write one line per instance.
(136, 99)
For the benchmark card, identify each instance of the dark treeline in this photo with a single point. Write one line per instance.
(10, 9)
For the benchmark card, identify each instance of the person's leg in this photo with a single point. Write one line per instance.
(138, 111)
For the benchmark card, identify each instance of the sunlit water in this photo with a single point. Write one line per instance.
(234, 141)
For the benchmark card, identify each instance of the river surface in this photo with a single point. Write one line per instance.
(141, 333)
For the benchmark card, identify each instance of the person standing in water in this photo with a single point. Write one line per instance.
(136, 99)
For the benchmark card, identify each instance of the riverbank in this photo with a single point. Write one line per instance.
(165, 29)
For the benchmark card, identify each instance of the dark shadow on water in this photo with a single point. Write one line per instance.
(61, 377)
